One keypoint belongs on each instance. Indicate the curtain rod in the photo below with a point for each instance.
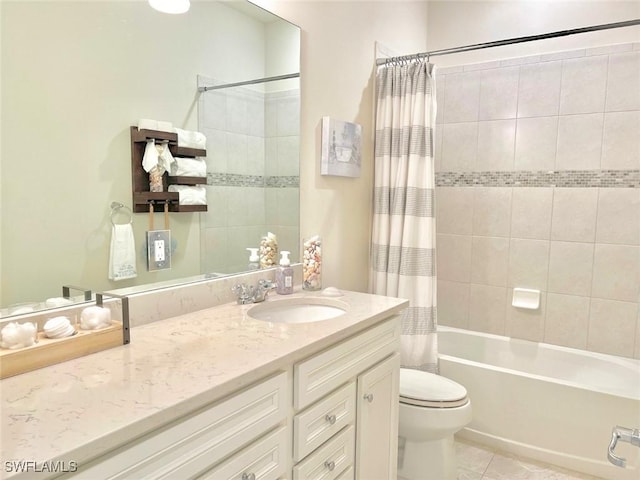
(509, 41)
(250, 82)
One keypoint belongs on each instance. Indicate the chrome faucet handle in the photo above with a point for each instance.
(244, 293)
(624, 435)
(267, 284)
(262, 290)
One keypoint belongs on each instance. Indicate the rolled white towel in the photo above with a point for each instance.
(95, 318)
(190, 195)
(189, 167)
(147, 124)
(58, 327)
(191, 139)
(18, 335)
(165, 126)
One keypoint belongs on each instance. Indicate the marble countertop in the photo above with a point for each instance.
(73, 411)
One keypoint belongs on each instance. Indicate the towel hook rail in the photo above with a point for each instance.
(116, 207)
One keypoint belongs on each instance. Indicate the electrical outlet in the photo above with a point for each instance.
(158, 250)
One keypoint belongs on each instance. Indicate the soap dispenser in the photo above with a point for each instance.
(284, 275)
(254, 259)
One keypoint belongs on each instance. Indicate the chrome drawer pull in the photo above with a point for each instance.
(330, 465)
(248, 476)
(330, 418)
(368, 397)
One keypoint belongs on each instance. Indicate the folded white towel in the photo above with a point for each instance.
(189, 167)
(149, 124)
(165, 126)
(190, 139)
(122, 264)
(196, 195)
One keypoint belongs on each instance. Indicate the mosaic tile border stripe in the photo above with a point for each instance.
(563, 178)
(257, 181)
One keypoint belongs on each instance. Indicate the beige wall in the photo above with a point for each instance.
(337, 73)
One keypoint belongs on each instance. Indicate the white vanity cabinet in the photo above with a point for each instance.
(346, 404)
(331, 416)
(189, 447)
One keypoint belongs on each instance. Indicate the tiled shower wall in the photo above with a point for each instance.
(538, 186)
(253, 174)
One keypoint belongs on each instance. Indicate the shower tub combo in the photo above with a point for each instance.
(553, 404)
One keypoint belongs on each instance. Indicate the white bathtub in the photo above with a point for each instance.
(554, 404)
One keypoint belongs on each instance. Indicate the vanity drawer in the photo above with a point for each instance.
(321, 421)
(330, 460)
(193, 444)
(348, 474)
(326, 371)
(264, 460)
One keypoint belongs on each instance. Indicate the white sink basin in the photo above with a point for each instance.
(298, 310)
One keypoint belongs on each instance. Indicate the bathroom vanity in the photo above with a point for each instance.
(217, 394)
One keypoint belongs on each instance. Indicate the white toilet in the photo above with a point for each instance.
(432, 409)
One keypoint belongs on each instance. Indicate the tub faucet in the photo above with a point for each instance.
(624, 435)
(250, 294)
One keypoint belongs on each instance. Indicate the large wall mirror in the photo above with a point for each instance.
(75, 75)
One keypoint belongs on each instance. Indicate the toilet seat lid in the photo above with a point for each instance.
(430, 390)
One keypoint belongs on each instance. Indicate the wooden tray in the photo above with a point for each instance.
(51, 351)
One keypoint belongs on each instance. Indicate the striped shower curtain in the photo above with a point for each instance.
(403, 237)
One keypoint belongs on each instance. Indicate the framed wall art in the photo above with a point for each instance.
(341, 148)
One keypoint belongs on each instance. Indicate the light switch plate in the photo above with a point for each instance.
(158, 250)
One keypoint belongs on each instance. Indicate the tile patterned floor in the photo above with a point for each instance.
(477, 462)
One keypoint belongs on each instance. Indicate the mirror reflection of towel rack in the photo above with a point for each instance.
(116, 207)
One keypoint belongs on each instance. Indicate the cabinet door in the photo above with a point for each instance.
(377, 421)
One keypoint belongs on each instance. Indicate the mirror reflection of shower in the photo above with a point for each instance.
(253, 144)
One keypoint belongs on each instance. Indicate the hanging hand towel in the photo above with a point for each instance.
(150, 158)
(122, 264)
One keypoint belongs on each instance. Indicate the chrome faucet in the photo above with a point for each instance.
(250, 294)
(624, 435)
